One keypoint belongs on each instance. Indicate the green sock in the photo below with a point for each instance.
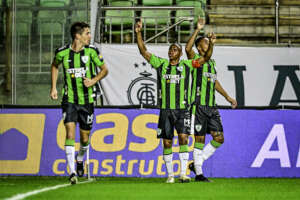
(167, 151)
(183, 148)
(69, 142)
(215, 144)
(199, 145)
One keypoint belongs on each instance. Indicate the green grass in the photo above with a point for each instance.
(154, 188)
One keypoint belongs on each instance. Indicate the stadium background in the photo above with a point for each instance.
(261, 137)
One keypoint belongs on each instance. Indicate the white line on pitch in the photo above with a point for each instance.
(34, 192)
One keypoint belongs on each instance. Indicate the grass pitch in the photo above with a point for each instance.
(153, 188)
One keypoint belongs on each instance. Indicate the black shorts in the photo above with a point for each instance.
(170, 119)
(205, 119)
(83, 114)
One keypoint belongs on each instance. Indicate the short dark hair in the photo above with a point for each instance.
(78, 27)
(177, 45)
(198, 40)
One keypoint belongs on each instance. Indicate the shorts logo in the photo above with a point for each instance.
(85, 59)
(64, 116)
(158, 131)
(90, 119)
(187, 122)
(198, 127)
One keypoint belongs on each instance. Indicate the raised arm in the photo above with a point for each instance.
(220, 89)
(189, 46)
(140, 42)
(200, 61)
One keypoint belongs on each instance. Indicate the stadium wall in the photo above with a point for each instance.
(264, 76)
(258, 143)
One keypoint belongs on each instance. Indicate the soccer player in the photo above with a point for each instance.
(80, 62)
(173, 85)
(205, 116)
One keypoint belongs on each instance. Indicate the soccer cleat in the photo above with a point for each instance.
(170, 179)
(73, 178)
(79, 168)
(201, 178)
(192, 167)
(184, 179)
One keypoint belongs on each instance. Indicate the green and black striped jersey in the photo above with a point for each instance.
(173, 82)
(203, 84)
(77, 65)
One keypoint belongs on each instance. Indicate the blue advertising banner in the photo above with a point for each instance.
(258, 143)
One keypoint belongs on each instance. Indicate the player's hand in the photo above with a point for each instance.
(232, 102)
(53, 94)
(200, 23)
(212, 37)
(88, 82)
(138, 26)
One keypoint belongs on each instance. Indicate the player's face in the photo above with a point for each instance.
(85, 36)
(203, 45)
(174, 52)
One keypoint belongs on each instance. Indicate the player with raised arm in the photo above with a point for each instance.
(173, 85)
(205, 115)
(80, 61)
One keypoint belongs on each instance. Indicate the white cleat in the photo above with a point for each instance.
(184, 179)
(170, 179)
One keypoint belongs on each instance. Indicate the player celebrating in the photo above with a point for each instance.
(173, 81)
(205, 116)
(80, 61)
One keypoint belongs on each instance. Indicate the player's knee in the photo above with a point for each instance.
(167, 144)
(183, 139)
(200, 139)
(219, 139)
(70, 137)
(84, 141)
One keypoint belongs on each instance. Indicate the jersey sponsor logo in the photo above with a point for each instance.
(101, 57)
(198, 91)
(77, 72)
(173, 78)
(210, 76)
(85, 59)
(198, 127)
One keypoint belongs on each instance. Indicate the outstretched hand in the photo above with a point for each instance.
(200, 23)
(212, 37)
(138, 26)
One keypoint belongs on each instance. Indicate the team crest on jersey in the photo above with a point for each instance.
(85, 59)
(180, 68)
(198, 127)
